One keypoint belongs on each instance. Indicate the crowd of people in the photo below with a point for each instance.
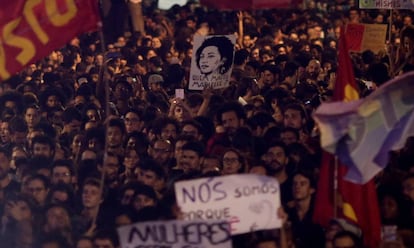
(93, 136)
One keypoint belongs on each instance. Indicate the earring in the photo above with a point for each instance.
(222, 70)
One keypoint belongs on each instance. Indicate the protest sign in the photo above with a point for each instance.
(167, 4)
(212, 61)
(361, 37)
(248, 202)
(176, 234)
(386, 4)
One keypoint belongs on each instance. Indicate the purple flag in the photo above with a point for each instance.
(362, 132)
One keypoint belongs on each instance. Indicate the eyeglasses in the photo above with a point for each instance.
(160, 150)
(230, 160)
(33, 190)
(66, 174)
(131, 119)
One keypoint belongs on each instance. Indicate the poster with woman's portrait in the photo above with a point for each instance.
(212, 61)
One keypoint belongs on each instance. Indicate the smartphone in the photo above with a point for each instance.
(389, 232)
(179, 93)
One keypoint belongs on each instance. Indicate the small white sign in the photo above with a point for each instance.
(386, 4)
(176, 234)
(247, 202)
(167, 4)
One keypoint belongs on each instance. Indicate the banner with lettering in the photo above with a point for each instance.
(361, 37)
(247, 202)
(212, 61)
(176, 234)
(31, 29)
(386, 4)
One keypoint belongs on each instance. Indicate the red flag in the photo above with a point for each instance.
(30, 30)
(359, 203)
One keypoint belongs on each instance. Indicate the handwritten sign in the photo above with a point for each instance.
(212, 61)
(167, 4)
(176, 234)
(386, 4)
(247, 202)
(361, 37)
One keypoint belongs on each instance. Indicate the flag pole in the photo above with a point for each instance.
(105, 83)
(391, 49)
(335, 191)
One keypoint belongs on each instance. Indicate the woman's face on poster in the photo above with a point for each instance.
(210, 60)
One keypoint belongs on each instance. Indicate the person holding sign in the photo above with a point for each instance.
(214, 58)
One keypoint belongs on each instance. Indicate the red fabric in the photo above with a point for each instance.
(248, 4)
(362, 198)
(32, 29)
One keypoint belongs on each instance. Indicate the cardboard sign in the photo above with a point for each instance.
(386, 4)
(248, 202)
(212, 61)
(167, 4)
(176, 234)
(361, 37)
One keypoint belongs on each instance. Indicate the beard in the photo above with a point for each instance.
(275, 167)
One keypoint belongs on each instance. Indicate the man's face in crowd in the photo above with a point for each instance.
(73, 126)
(111, 168)
(190, 130)
(57, 218)
(276, 158)
(161, 151)
(42, 150)
(230, 121)
(288, 137)
(132, 122)
(293, 118)
(5, 132)
(301, 187)
(31, 117)
(142, 201)
(38, 190)
(91, 196)
(114, 136)
(268, 77)
(178, 148)
(19, 138)
(169, 132)
(148, 177)
(189, 161)
(61, 174)
(313, 69)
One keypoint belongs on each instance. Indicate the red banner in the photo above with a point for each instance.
(249, 4)
(31, 29)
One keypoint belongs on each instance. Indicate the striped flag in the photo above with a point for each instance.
(355, 202)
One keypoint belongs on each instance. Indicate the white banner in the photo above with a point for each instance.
(176, 234)
(247, 202)
(212, 61)
(386, 4)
